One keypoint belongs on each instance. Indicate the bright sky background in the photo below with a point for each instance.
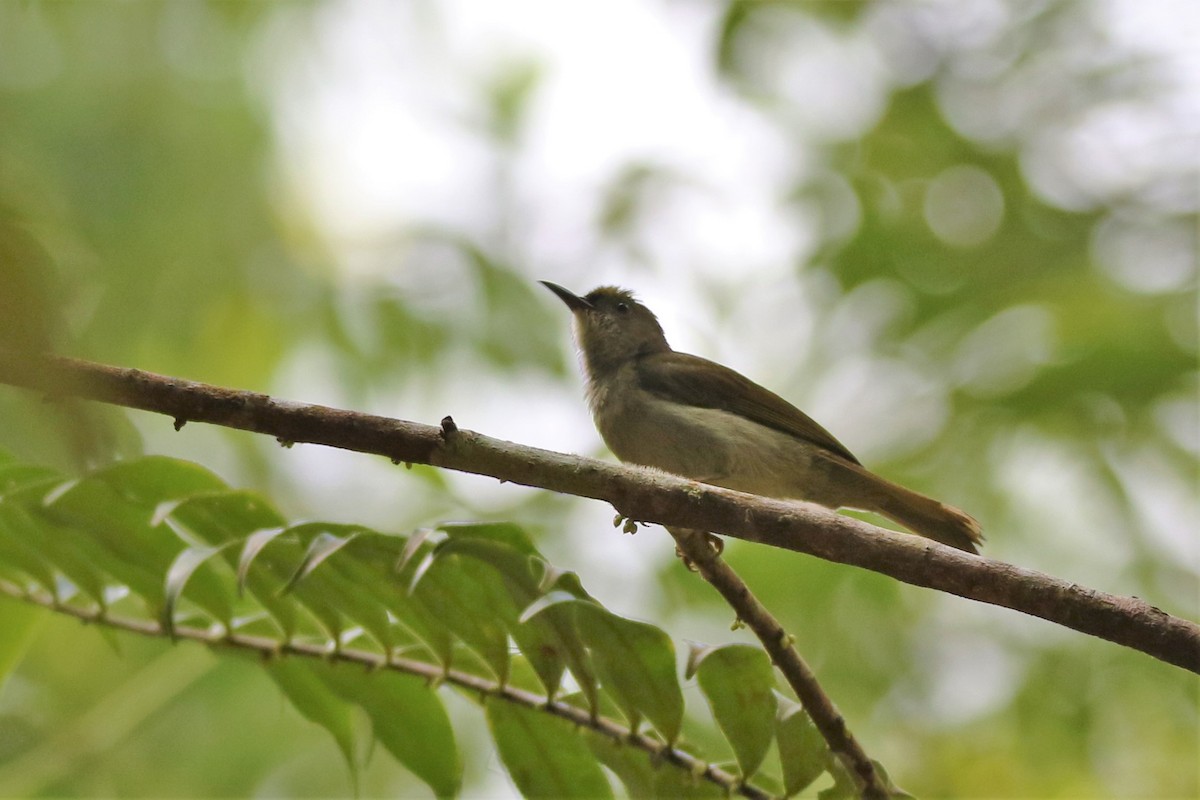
(380, 116)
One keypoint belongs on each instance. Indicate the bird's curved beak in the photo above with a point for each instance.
(573, 301)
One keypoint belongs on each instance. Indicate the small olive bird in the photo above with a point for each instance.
(693, 417)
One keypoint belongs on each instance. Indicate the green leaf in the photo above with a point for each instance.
(19, 623)
(370, 563)
(643, 774)
(116, 535)
(322, 547)
(570, 643)
(564, 635)
(545, 642)
(524, 570)
(550, 640)
(333, 593)
(739, 683)
(408, 719)
(17, 476)
(843, 784)
(235, 517)
(554, 598)
(545, 756)
(635, 662)
(133, 549)
(505, 533)
(412, 547)
(893, 791)
(19, 550)
(55, 545)
(316, 702)
(522, 675)
(223, 516)
(802, 749)
(465, 599)
(152, 480)
(182, 568)
(630, 764)
(541, 644)
(676, 784)
(251, 547)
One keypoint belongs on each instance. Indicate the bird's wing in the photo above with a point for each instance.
(691, 380)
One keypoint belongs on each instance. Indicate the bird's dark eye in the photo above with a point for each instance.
(622, 308)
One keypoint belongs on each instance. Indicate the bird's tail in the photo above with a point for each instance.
(920, 514)
(933, 519)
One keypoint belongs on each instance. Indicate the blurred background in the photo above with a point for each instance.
(959, 233)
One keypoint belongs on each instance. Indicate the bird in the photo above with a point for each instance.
(687, 415)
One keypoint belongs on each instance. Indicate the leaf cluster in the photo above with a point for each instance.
(465, 605)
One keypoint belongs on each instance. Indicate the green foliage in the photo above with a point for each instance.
(221, 560)
(801, 748)
(317, 703)
(544, 756)
(634, 660)
(419, 736)
(738, 681)
(18, 626)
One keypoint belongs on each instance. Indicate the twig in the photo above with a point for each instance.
(435, 674)
(694, 545)
(637, 494)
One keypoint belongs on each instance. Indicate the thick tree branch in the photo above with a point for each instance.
(695, 547)
(636, 493)
(435, 674)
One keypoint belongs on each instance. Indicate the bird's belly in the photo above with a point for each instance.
(713, 446)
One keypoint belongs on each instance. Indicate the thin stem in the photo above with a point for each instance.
(694, 545)
(638, 494)
(270, 648)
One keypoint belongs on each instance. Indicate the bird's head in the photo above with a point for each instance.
(611, 327)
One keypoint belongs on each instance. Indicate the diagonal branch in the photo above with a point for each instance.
(694, 546)
(435, 674)
(636, 493)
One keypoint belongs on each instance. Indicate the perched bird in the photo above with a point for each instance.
(693, 417)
